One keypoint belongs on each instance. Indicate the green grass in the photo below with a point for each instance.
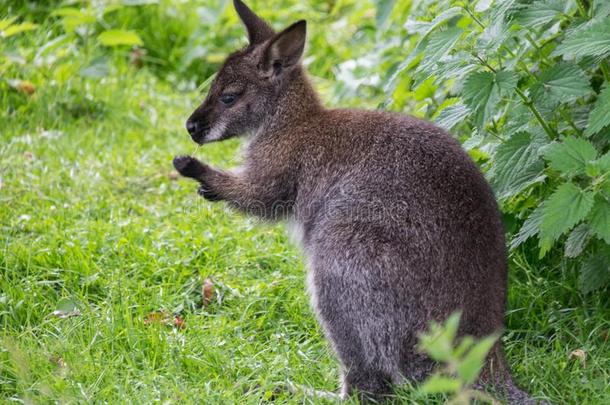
(90, 212)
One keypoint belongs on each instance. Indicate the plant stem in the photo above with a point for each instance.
(570, 122)
(605, 71)
(474, 18)
(582, 8)
(483, 62)
(537, 47)
(530, 104)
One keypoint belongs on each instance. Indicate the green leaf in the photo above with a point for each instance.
(441, 19)
(17, 28)
(562, 83)
(570, 156)
(530, 227)
(451, 116)
(424, 29)
(600, 116)
(482, 5)
(601, 8)
(501, 9)
(6, 22)
(566, 207)
(591, 41)
(482, 91)
(604, 163)
(577, 240)
(439, 44)
(506, 81)
(438, 341)
(599, 219)
(438, 384)
(595, 272)
(119, 37)
(470, 366)
(73, 17)
(98, 68)
(540, 13)
(480, 95)
(598, 167)
(516, 164)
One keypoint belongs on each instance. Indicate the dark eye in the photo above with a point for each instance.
(228, 99)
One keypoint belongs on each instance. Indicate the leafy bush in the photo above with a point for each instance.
(526, 87)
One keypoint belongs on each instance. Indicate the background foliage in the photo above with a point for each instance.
(93, 95)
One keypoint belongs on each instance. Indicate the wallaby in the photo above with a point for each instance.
(397, 224)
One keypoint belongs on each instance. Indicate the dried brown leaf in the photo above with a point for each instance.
(207, 291)
(579, 354)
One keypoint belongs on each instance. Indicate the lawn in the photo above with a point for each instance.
(102, 245)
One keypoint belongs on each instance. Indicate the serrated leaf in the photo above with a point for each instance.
(439, 44)
(438, 384)
(470, 366)
(424, 29)
(566, 207)
(502, 9)
(516, 164)
(440, 19)
(599, 219)
(600, 116)
(539, 13)
(480, 94)
(482, 91)
(530, 227)
(493, 36)
(562, 83)
(603, 163)
(595, 272)
(451, 116)
(591, 41)
(570, 156)
(506, 81)
(577, 240)
(119, 37)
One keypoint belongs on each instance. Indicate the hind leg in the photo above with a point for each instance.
(362, 332)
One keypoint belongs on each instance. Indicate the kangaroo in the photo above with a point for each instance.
(397, 224)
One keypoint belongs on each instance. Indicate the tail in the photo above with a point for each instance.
(496, 379)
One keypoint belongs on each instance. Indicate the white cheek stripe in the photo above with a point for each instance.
(217, 131)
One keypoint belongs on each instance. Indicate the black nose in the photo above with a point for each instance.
(192, 127)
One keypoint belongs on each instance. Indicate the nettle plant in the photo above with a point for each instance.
(526, 87)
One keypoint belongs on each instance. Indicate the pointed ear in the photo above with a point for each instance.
(286, 48)
(258, 30)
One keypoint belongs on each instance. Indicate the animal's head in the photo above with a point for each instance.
(247, 87)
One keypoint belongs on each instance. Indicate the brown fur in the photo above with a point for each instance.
(398, 225)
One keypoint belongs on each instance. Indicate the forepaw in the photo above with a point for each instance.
(189, 166)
